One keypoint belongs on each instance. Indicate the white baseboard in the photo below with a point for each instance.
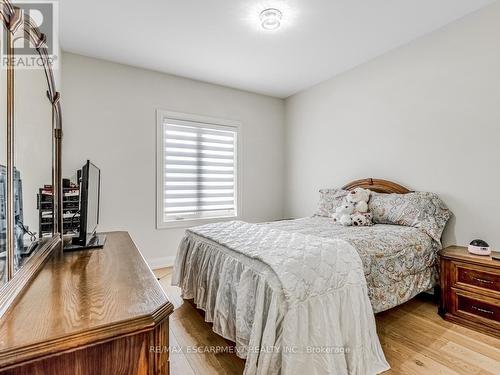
(157, 263)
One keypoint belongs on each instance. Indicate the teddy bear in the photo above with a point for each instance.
(343, 213)
(354, 209)
(362, 219)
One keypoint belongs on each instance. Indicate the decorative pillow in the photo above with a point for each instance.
(420, 210)
(329, 200)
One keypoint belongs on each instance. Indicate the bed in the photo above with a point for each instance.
(299, 295)
(398, 262)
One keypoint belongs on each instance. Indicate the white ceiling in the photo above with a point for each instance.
(221, 41)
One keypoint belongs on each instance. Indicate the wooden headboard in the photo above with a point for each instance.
(380, 186)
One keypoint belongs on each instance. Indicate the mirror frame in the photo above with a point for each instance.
(12, 19)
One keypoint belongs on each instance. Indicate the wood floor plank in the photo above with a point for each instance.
(478, 359)
(178, 361)
(405, 360)
(424, 365)
(399, 354)
(415, 340)
(162, 272)
(429, 347)
(173, 292)
(214, 357)
(433, 331)
(428, 311)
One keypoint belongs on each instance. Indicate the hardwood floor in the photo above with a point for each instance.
(415, 339)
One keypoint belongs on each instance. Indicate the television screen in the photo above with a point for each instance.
(93, 198)
(89, 210)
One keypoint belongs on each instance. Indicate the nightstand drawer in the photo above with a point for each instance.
(470, 290)
(474, 277)
(478, 308)
(482, 308)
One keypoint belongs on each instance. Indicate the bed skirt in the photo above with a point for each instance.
(244, 300)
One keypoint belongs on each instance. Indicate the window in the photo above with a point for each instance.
(197, 169)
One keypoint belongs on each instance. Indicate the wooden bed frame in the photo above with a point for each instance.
(378, 185)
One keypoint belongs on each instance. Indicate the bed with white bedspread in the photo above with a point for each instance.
(299, 296)
(277, 310)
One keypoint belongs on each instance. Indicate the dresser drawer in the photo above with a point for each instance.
(476, 307)
(476, 278)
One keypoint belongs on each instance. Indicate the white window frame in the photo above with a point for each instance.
(161, 116)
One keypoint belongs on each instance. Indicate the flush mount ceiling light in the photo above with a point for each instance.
(270, 18)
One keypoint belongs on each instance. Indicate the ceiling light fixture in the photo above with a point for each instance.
(270, 18)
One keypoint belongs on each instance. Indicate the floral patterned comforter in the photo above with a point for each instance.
(399, 261)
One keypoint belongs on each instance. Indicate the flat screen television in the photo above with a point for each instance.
(90, 186)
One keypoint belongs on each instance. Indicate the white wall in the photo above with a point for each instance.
(426, 115)
(109, 117)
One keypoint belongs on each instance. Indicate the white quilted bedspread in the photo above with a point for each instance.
(327, 325)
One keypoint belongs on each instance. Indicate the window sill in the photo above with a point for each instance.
(193, 222)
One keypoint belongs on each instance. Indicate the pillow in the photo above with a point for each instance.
(329, 200)
(419, 209)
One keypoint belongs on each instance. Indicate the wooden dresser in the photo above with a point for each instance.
(470, 290)
(98, 311)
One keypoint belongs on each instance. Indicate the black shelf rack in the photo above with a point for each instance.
(71, 210)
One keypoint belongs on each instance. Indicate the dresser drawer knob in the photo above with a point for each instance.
(482, 310)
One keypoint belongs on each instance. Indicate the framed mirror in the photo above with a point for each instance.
(31, 216)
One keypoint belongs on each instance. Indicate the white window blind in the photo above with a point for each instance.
(199, 167)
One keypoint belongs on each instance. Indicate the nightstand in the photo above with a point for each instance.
(470, 290)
